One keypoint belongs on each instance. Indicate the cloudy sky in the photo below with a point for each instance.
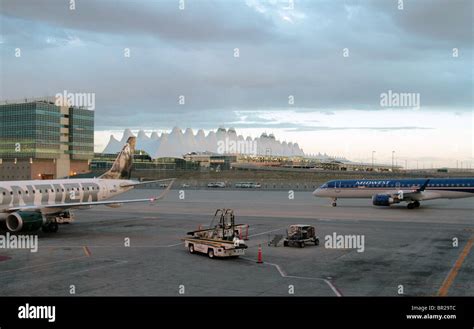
(312, 72)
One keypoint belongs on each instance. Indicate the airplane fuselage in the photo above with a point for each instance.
(433, 188)
(58, 191)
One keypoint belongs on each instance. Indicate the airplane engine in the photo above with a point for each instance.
(25, 221)
(383, 200)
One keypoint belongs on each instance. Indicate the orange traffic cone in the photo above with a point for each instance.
(259, 257)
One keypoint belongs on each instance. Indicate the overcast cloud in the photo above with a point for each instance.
(283, 52)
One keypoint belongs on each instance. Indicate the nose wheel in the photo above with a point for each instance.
(334, 202)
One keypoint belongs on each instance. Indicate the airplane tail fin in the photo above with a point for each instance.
(122, 167)
(423, 187)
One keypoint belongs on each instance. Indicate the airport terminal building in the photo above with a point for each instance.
(40, 140)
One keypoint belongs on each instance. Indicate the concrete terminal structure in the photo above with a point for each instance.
(223, 141)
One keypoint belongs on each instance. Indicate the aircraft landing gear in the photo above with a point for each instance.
(334, 202)
(413, 205)
(51, 227)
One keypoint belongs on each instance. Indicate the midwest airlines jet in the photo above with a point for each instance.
(34, 204)
(387, 192)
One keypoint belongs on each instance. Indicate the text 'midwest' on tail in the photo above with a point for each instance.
(122, 167)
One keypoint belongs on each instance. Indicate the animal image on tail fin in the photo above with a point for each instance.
(122, 167)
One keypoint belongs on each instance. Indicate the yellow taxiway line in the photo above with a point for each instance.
(443, 291)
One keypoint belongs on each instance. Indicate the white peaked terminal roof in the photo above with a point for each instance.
(177, 143)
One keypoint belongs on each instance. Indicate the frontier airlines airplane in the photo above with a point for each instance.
(391, 191)
(34, 204)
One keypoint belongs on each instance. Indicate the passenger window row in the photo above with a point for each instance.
(57, 190)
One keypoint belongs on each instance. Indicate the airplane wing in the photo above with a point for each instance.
(64, 206)
(415, 193)
(149, 182)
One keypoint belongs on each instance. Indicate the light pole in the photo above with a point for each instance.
(393, 157)
(373, 168)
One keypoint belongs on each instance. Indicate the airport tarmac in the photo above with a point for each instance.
(409, 250)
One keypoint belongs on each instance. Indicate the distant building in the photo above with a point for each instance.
(146, 167)
(209, 160)
(143, 164)
(295, 163)
(39, 140)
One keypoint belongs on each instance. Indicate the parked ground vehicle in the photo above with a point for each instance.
(216, 185)
(223, 238)
(248, 185)
(300, 235)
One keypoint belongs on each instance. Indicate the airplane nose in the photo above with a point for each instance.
(316, 192)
